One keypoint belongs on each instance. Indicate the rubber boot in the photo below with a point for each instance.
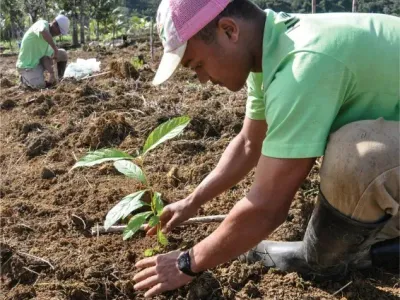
(61, 66)
(331, 243)
(386, 254)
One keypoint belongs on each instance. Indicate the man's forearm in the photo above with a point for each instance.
(245, 226)
(49, 39)
(237, 161)
(254, 217)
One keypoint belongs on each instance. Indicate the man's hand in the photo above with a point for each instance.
(174, 214)
(52, 79)
(55, 54)
(160, 274)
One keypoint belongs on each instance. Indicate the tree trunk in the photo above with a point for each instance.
(88, 37)
(354, 6)
(313, 6)
(82, 21)
(97, 30)
(151, 39)
(75, 41)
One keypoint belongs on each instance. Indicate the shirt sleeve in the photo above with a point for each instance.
(255, 107)
(302, 102)
(40, 26)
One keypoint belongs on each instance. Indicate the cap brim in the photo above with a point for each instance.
(168, 65)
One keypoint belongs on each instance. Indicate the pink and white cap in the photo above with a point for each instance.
(177, 22)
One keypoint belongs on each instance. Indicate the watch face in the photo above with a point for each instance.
(181, 262)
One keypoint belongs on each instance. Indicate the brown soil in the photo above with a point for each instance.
(47, 211)
(123, 69)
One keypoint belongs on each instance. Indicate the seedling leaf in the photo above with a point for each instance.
(100, 156)
(149, 252)
(134, 224)
(162, 238)
(128, 204)
(154, 220)
(157, 202)
(131, 170)
(152, 251)
(164, 132)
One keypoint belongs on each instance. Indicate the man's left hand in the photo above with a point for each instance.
(160, 273)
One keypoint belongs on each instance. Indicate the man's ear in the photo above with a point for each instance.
(230, 27)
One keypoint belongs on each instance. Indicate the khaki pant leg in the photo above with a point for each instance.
(360, 173)
(62, 55)
(33, 78)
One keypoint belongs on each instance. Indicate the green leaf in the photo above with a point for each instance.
(128, 204)
(162, 238)
(149, 252)
(130, 170)
(157, 203)
(154, 220)
(100, 156)
(164, 132)
(152, 251)
(134, 224)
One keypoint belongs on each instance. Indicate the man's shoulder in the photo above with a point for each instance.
(39, 26)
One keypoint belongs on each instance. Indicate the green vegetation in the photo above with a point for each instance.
(132, 167)
(108, 19)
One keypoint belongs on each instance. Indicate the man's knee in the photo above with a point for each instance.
(62, 55)
(33, 78)
(357, 155)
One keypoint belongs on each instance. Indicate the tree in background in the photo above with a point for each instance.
(136, 13)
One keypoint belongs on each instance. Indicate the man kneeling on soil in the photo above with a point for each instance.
(38, 51)
(318, 85)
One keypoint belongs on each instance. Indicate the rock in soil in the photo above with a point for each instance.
(47, 173)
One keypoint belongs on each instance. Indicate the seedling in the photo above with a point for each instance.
(132, 167)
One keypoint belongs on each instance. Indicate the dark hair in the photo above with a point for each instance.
(244, 9)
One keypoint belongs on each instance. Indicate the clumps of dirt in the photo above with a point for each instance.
(38, 144)
(6, 83)
(235, 281)
(14, 267)
(86, 90)
(8, 104)
(123, 69)
(108, 130)
(29, 127)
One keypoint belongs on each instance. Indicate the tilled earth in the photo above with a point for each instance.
(47, 211)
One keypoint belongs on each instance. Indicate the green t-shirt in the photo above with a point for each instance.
(33, 46)
(321, 72)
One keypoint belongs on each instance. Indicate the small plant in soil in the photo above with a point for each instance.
(132, 167)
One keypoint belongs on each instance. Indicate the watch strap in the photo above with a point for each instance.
(184, 264)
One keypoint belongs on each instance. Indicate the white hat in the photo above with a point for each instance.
(177, 22)
(63, 24)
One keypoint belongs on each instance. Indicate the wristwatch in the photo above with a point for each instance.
(184, 264)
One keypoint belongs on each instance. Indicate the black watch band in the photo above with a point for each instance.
(184, 264)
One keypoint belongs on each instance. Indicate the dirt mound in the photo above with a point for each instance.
(39, 143)
(108, 130)
(6, 83)
(123, 69)
(8, 104)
